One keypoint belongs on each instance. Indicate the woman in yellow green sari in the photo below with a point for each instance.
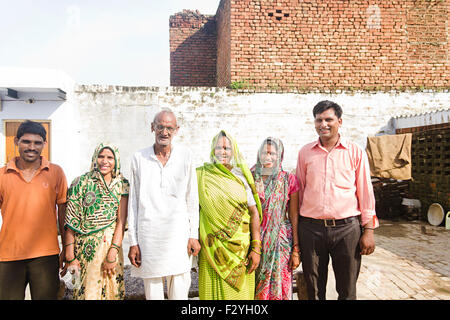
(95, 223)
(230, 214)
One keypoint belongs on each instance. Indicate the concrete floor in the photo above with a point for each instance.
(411, 262)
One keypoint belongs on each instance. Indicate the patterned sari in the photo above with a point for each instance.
(224, 229)
(92, 213)
(274, 276)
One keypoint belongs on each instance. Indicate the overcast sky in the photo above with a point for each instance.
(114, 42)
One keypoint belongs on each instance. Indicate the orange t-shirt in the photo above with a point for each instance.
(29, 226)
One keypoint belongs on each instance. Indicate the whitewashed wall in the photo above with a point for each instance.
(122, 115)
(62, 114)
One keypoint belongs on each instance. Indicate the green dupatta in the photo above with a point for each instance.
(224, 215)
(91, 204)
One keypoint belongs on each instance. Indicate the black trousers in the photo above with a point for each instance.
(317, 244)
(41, 273)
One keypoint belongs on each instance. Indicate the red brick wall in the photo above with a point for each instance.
(335, 44)
(193, 53)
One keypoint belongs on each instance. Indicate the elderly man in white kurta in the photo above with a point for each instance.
(163, 213)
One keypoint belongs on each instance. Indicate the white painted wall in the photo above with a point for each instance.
(122, 115)
(62, 114)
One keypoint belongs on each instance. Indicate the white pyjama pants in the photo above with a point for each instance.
(177, 287)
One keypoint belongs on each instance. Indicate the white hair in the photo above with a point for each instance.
(163, 111)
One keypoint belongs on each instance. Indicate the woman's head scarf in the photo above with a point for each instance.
(92, 204)
(94, 165)
(273, 172)
(236, 161)
(236, 157)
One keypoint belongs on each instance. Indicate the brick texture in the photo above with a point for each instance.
(223, 44)
(193, 52)
(332, 44)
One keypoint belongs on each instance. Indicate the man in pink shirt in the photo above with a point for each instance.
(337, 206)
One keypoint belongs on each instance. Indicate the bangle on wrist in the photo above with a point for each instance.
(115, 259)
(66, 245)
(255, 244)
(258, 252)
(106, 259)
(115, 245)
(69, 261)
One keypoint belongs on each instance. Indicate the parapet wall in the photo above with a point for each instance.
(122, 115)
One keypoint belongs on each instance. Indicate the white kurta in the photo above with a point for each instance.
(163, 211)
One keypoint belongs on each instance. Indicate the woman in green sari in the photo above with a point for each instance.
(230, 214)
(95, 223)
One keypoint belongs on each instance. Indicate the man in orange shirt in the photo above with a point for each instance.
(337, 206)
(30, 190)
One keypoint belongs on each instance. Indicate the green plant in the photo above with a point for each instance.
(237, 85)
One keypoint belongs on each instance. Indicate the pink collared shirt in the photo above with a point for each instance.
(335, 184)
